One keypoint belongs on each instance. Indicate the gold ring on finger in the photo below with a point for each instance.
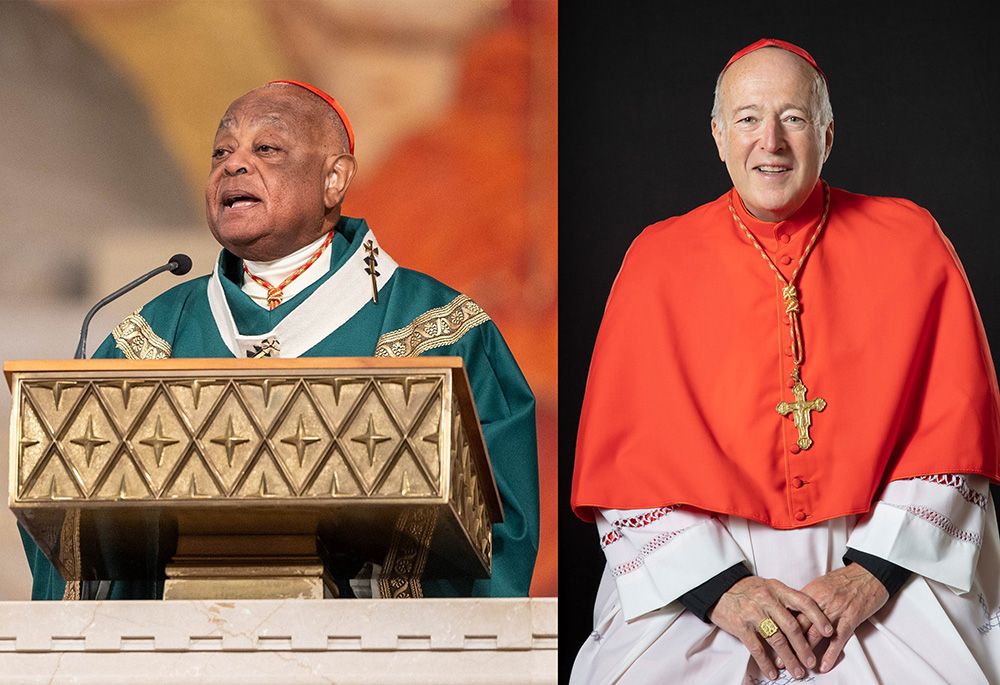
(767, 628)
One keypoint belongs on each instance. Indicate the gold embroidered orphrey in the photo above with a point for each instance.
(407, 556)
(434, 328)
(69, 552)
(800, 408)
(136, 339)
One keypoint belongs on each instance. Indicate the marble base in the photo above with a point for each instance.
(346, 641)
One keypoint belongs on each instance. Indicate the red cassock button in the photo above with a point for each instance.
(785, 320)
(794, 449)
(790, 382)
(796, 482)
(785, 238)
(800, 516)
(788, 351)
(786, 260)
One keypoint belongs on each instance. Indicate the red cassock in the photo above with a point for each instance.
(693, 357)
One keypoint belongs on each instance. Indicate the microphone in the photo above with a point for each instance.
(179, 264)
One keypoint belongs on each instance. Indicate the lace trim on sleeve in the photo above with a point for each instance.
(960, 483)
(647, 549)
(941, 521)
(651, 522)
(640, 521)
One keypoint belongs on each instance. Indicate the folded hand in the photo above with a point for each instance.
(750, 601)
(848, 597)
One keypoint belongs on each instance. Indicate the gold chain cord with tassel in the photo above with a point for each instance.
(789, 292)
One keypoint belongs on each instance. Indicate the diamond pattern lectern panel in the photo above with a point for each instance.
(250, 437)
(389, 452)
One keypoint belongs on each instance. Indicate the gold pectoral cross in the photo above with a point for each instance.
(800, 408)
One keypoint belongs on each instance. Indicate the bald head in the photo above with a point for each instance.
(791, 61)
(281, 168)
(317, 116)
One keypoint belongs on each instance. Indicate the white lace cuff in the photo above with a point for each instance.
(656, 555)
(932, 525)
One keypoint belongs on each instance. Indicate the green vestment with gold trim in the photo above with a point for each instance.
(182, 323)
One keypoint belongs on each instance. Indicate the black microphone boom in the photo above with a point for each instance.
(179, 264)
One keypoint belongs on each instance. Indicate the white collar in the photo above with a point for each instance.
(276, 271)
(335, 301)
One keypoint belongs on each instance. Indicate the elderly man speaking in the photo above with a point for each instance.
(790, 426)
(298, 279)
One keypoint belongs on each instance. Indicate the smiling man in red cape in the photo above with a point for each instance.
(790, 424)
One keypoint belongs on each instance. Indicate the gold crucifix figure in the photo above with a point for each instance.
(800, 408)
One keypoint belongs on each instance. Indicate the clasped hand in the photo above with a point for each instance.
(833, 605)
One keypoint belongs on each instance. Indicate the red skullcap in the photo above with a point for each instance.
(330, 101)
(784, 45)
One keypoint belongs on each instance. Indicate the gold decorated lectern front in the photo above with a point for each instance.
(252, 478)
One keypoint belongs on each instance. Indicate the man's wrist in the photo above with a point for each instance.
(701, 599)
(892, 576)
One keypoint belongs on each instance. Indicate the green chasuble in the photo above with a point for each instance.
(335, 317)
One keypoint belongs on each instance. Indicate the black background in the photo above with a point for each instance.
(915, 97)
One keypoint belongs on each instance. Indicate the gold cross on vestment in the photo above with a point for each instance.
(370, 269)
(269, 347)
(799, 409)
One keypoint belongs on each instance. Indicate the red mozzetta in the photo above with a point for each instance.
(693, 357)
